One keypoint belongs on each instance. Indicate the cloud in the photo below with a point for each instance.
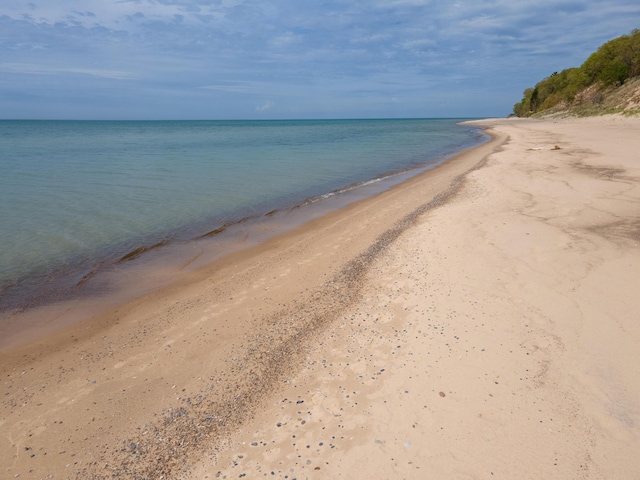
(268, 105)
(231, 88)
(32, 69)
(319, 56)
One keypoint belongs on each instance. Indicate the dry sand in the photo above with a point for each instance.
(478, 321)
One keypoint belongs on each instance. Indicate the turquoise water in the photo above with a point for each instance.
(76, 193)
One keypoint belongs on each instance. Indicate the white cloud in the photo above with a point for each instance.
(268, 105)
(418, 44)
(286, 39)
(302, 55)
(33, 69)
(231, 88)
(95, 72)
(413, 3)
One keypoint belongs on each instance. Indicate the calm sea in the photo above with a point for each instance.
(75, 194)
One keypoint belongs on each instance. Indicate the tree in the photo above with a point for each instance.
(611, 64)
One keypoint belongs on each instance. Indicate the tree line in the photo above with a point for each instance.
(611, 65)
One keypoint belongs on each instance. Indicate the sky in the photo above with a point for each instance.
(277, 59)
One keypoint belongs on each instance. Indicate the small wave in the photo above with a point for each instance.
(87, 276)
(340, 191)
(214, 232)
(139, 251)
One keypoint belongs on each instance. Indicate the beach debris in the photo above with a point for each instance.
(556, 148)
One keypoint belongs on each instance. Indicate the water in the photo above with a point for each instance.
(74, 195)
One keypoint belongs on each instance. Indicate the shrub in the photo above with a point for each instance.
(612, 64)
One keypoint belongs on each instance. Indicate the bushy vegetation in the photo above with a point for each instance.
(611, 65)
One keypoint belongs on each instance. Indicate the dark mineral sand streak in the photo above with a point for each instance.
(204, 420)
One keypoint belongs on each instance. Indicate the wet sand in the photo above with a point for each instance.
(477, 321)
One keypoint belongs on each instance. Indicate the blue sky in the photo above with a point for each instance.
(244, 59)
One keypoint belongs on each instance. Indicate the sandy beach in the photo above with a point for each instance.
(478, 321)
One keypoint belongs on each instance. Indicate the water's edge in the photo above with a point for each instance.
(112, 280)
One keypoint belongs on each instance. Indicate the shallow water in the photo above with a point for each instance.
(75, 196)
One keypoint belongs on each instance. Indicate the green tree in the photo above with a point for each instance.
(611, 64)
(614, 73)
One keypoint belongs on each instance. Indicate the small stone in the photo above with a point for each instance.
(442, 394)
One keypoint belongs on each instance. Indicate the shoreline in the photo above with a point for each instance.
(63, 275)
(250, 303)
(495, 339)
(470, 322)
(77, 294)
